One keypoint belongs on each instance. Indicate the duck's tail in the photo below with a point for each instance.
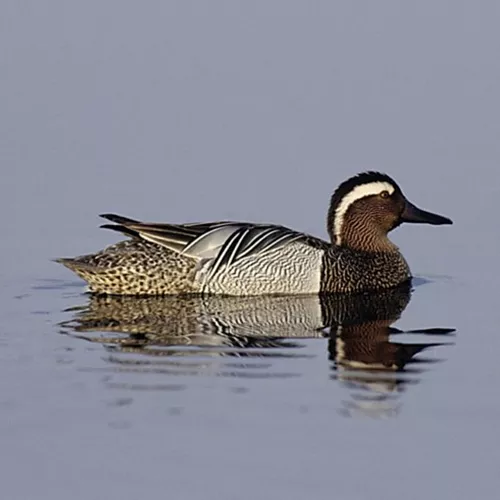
(95, 276)
(75, 264)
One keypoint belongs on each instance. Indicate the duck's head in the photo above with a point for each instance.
(366, 207)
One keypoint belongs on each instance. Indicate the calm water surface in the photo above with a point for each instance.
(186, 111)
(232, 397)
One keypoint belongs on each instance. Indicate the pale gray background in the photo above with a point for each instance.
(254, 110)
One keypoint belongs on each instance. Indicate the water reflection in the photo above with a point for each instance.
(373, 366)
(244, 337)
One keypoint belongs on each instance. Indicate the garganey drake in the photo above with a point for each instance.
(242, 258)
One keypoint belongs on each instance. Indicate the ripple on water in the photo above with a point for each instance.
(260, 338)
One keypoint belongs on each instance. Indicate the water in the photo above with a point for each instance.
(190, 111)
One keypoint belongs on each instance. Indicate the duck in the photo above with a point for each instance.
(245, 258)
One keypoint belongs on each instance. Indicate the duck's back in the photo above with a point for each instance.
(274, 260)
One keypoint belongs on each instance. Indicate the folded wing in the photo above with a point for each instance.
(224, 242)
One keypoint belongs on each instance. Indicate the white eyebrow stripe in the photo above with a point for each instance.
(361, 191)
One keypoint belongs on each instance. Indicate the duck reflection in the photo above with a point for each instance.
(367, 360)
(168, 329)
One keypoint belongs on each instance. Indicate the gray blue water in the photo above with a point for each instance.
(185, 111)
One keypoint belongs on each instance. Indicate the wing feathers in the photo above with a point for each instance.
(118, 219)
(225, 242)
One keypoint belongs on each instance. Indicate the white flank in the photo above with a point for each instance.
(361, 191)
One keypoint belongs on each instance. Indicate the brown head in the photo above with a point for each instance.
(366, 207)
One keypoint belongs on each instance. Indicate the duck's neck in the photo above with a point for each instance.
(359, 236)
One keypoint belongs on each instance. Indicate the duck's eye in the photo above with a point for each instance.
(384, 194)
